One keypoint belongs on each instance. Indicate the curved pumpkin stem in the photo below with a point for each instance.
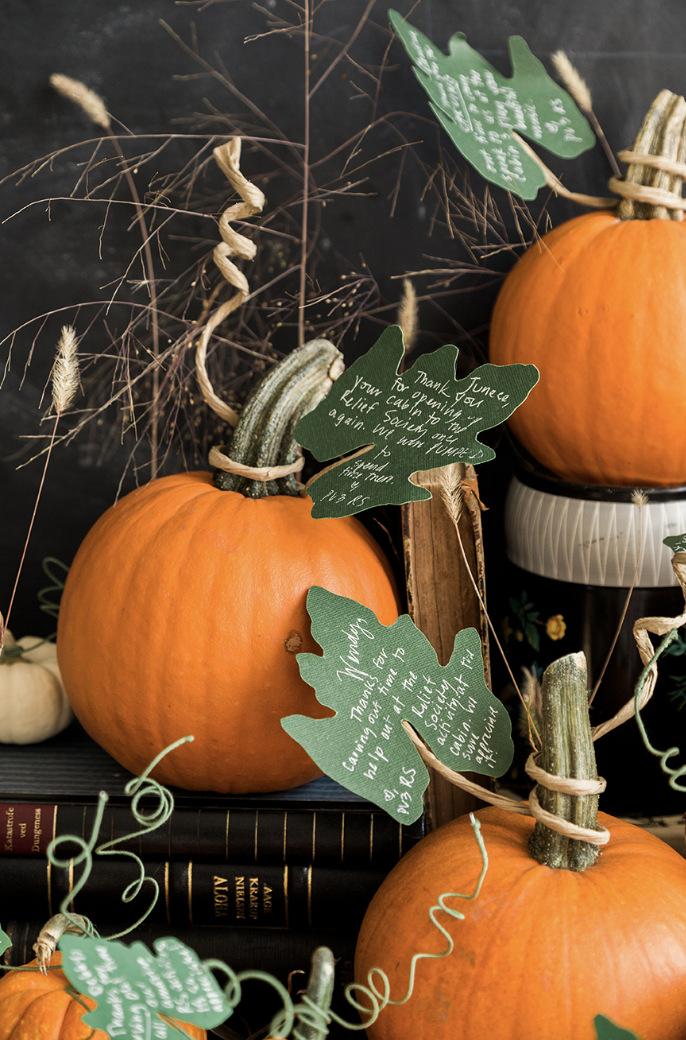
(567, 752)
(263, 437)
(662, 134)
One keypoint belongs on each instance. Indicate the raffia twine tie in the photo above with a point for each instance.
(643, 628)
(626, 189)
(218, 460)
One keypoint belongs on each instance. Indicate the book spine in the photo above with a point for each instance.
(286, 954)
(194, 893)
(278, 951)
(266, 836)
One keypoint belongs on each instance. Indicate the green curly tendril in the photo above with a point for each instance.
(11, 653)
(314, 1016)
(673, 774)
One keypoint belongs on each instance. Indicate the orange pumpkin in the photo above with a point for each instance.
(598, 306)
(541, 951)
(185, 607)
(34, 1006)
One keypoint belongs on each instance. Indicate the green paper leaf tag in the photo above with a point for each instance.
(675, 542)
(479, 108)
(607, 1030)
(134, 987)
(420, 419)
(375, 676)
(5, 941)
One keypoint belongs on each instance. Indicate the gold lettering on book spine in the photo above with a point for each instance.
(254, 898)
(9, 830)
(240, 898)
(221, 896)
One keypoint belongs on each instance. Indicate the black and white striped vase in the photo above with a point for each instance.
(572, 551)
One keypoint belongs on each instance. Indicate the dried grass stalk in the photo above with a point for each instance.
(407, 315)
(576, 86)
(65, 376)
(87, 100)
(450, 485)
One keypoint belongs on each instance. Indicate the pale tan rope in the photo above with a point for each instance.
(563, 784)
(658, 626)
(530, 808)
(641, 193)
(659, 162)
(627, 189)
(595, 201)
(218, 460)
(228, 157)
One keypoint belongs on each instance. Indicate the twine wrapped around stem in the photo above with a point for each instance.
(643, 628)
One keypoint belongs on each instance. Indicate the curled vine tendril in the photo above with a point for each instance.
(139, 787)
(47, 605)
(673, 774)
(311, 1016)
(381, 999)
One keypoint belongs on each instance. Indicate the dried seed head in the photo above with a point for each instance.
(91, 103)
(639, 498)
(65, 375)
(407, 315)
(572, 80)
(451, 491)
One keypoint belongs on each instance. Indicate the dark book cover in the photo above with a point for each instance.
(50, 790)
(196, 893)
(246, 835)
(286, 954)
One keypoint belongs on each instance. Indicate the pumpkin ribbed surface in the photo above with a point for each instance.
(182, 614)
(34, 1006)
(598, 305)
(541, 952)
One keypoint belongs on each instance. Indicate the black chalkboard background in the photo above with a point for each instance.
(53, 258)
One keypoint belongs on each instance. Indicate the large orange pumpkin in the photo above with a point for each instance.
(34, 1006)
(185, 608)
(541, 951)
(598, 305)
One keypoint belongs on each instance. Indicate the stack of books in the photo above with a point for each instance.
(258, 881)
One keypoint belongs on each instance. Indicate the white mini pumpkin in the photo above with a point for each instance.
(33, 704)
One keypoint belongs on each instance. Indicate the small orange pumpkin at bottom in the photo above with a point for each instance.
(34, 1006)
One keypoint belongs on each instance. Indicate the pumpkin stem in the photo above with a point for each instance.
(263, 437)
(51, 933)
(568, 752)
(662, 133)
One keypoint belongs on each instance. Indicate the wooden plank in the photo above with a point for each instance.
(442, 599)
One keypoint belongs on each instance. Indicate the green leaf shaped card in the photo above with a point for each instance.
(138, 991)
(479, 107)
(375, 676)
(420, 419)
